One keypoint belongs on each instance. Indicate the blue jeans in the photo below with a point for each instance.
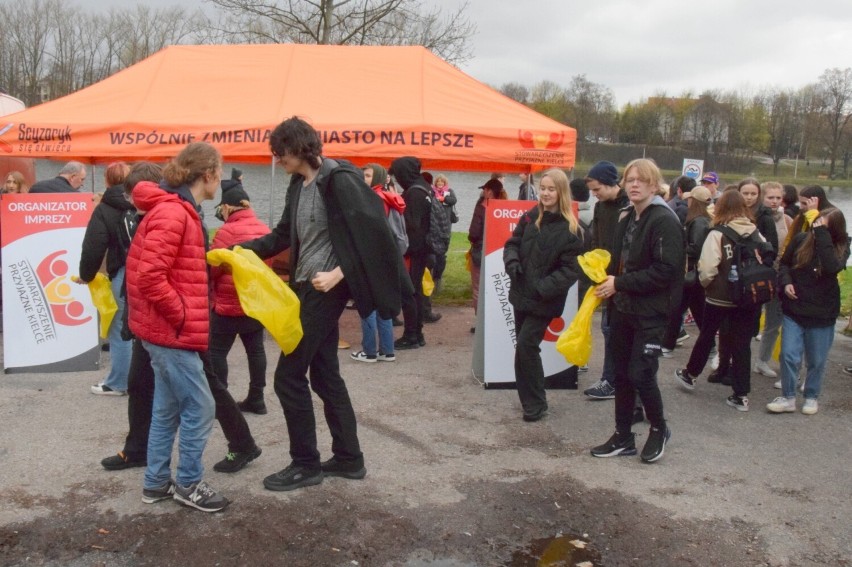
(369, 325)
(814, 343)
(119, 350)
(182, 400)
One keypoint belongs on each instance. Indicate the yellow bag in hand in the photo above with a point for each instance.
(263, 295)
(575, 344)
(428, 283)
(104, 301)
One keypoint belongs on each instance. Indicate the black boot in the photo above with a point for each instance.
(254, 402)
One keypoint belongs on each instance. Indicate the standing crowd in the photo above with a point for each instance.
(351, 237)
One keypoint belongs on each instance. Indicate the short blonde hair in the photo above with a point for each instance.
(647, 170)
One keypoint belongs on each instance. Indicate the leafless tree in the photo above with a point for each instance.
(349, 22)
(516, 91)
(835, 90)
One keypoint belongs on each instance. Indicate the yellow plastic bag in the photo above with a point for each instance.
(575, 344)
(263, 296)
(104, 301)
(428, 283)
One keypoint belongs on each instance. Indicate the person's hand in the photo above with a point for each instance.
(78, 280)
(813, 203)
(819, 222)
(325, 281)
(606, 288)
(790, 291)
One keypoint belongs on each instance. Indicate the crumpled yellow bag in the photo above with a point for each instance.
(575, 343)
(428, 283)
(104, 301)
(263, 295)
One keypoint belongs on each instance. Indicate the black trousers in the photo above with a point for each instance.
(223, 332)
(636, 349)
(412, 306)
(313, 365)
(734, 344)
(140, 402)
(529, 372)
(692, 299)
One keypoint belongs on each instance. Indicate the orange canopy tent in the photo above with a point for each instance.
(369, 104)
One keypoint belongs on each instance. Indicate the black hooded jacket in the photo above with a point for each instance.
(107, 233)
(416, 194)
(360, 237)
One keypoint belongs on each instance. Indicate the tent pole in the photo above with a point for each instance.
(271, 190)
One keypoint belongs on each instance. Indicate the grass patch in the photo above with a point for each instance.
(456, 287)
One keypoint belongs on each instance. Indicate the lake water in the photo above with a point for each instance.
(267, 192)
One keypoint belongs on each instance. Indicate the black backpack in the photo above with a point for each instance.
(752, 281)
(438, 235)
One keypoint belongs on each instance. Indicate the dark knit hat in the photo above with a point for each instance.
(234, 195)
(579, 190)
(236, 173)
(604, 172)
(494, 185)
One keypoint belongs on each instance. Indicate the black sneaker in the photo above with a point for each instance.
(738, 402)
(655, 446)
(537, 415)
(638, 415)
(235, 461)
(121, 461)
(685, 380)
(201, 497)
(293, 477)
(717, 377)
(256, 405)
(432, 317)
(682, 337)
(421, 340)
(600, 390)
(352, 471)
(154, 495)
(406, 343)
(617, 446)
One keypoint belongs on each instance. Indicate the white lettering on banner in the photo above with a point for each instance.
(508, 213)
(501, 286)
(47, 206)
(47, 219)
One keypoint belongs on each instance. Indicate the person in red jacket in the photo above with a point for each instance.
(228, 318)
(167, 291)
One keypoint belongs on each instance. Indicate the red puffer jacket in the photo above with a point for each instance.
(167, 272)
(241, 226)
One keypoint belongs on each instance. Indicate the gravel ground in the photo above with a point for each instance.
(455, 477)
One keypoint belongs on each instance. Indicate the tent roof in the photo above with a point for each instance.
(369, 103)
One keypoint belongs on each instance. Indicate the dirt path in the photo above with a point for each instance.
(455, 477)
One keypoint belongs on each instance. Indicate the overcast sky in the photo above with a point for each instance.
(641, 47)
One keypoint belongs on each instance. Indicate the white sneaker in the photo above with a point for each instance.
(667, 352)
(810, 407)
(714, 363)
(782, 405)
(762, 368)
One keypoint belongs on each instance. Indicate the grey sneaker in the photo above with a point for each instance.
(684, 380)
(200, 496)
(600, 390)
(154, 495)
(386, 357)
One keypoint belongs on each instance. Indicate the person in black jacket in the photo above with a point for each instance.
(416, 194)
(340, 247)
(108, 234)
(811, 304)
(602, 181)
(70, 179)
(541, 261)
(644, 275)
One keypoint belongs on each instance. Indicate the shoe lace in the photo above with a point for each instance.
(204, 490)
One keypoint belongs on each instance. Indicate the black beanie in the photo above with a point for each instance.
(236, 173)
(234, 196)
(605, 173)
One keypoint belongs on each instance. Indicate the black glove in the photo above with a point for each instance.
(514, 270)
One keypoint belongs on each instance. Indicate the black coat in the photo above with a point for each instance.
(56, 185)
(650, 282)
(696, 233)
(547, 260)
(604, 219)
(359, 234)
(766, 225)
(107, 233)
(416, 194)
(818, 292)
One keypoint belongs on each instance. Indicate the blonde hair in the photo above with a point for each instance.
(442, 177)
(192, 162)
(647, 171)
(563, 199)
